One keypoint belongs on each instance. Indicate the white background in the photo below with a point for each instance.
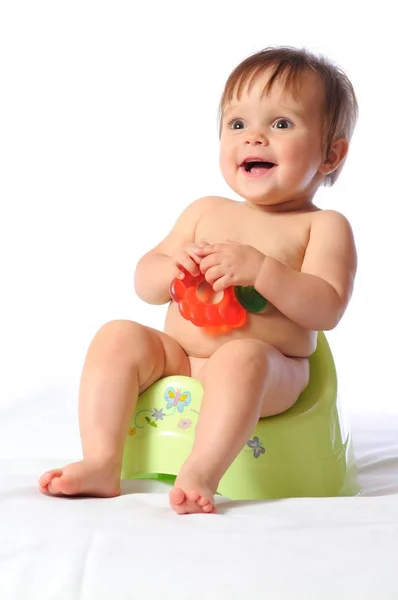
(108, 129)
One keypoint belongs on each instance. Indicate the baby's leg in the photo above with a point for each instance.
(243, 381)
(123, 360)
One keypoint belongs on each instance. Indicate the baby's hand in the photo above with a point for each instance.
(230, 263)
(187, 259)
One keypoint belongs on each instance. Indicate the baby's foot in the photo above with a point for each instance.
(84, 478)
(191, 494)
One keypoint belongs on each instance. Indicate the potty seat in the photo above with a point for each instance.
(305, 451)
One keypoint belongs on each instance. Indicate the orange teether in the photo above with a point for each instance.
(226, 314)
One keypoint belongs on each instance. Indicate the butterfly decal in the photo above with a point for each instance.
(256, 446)
(177, 398)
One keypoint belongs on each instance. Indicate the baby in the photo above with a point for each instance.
(286, 119)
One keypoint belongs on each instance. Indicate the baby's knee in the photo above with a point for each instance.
(249, 355)
(121, 338)
(119, 330)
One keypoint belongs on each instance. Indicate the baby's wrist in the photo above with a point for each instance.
(261, 278)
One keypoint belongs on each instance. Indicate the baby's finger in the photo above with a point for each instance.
(208, 261)
(213, 273)
(195, 256)
(188, 264)
(204, 250)
(190, 250)
(221, 284)
(178, 273)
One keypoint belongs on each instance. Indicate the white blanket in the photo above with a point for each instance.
(135, 547)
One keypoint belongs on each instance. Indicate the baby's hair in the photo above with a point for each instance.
(289, 64)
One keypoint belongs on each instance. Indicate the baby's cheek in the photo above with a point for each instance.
(226, 164)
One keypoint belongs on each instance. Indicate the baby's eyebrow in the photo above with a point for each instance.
(229, 109)
(295, 110)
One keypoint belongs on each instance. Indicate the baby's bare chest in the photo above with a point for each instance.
(284, 237)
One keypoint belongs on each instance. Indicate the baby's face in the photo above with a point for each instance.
(284, 132)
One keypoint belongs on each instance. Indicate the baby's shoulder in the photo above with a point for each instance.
(207, 203)
(198, 209)
(193, 213)
(331, 219)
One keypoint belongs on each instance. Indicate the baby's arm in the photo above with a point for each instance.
(315, 297)
(156, 269)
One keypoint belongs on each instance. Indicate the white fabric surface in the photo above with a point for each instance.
(135, 547)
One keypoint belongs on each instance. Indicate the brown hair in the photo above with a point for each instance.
(289, 64)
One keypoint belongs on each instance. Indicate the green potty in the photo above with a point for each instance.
(305, 451)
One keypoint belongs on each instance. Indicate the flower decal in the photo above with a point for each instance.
(184, 423)
(256, 446)
(132, 431)
(158, 414)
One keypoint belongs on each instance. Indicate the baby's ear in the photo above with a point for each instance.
(337, 154)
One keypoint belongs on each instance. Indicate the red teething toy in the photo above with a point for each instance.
(226, 314)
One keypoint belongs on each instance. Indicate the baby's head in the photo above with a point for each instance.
(285, 103)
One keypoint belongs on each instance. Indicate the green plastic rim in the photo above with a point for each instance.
(250, 299)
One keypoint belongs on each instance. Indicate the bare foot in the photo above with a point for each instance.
(84, 478)
(191, 494)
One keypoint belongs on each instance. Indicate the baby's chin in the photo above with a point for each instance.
(262, 206)
(262, 202)
(258, 198)
(274, 202)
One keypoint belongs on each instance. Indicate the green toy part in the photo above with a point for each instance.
(250, 298)
(305, 451)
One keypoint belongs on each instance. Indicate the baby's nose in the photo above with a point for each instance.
(256, 139)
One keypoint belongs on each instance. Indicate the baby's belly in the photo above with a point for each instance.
(271, 327)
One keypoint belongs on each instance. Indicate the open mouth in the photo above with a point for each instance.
(257, 166)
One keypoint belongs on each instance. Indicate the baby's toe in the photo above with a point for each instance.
(68, 484)
(177, 496)
(203, 500)
(193, 496)
(206, 505)
(178, 501)
(48, 476)
(45, 481)
(209, 508)
(54, 486)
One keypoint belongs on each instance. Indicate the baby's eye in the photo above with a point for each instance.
(282, 124)
(236, 124)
